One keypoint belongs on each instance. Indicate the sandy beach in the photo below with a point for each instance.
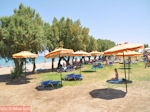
(47, 65)
(95, 96)
(83, 98)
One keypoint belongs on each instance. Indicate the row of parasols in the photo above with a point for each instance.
(125, 49)
(69, 52)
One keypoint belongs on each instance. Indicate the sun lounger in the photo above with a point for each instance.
(115, 82)
(100, 65)
(40, 69)
(50, 83)
(119, 81)
(67, 69)
(97, 66)
(72, 77)
(110, 63)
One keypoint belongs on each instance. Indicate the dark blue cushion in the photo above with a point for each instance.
(46, 82)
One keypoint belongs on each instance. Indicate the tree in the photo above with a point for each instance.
(20, 32)
(146, 45)
(92, 46)
(52, 37)
(104, 44)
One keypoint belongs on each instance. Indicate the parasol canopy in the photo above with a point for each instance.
(80, 53)
(130, 53)
(123, 47)
(59, 52)
(25, 54)
(96, 53)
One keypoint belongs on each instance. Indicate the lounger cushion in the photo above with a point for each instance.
(115, 82)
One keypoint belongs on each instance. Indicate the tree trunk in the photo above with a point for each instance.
(94, 57)
(16, 61)
(68, 61)
(59, 62)
(18, 67)
(84, 59)
(89, 58)
(72, 59)
(53, 59)
(99, 57)
(34, 66)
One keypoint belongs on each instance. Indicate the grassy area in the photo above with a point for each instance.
(138, 73)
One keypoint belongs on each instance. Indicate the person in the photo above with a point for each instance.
(64, 66)
(107, 61)
(148, 60)
(116, 75)
(94, 64)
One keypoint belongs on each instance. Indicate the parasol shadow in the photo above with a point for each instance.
(107, 93)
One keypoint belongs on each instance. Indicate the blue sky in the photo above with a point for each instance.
(117, 20)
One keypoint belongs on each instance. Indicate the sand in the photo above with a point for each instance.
(47, 65)
(93, 97)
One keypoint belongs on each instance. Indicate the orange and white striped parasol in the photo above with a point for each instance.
(25, 54)
(123, 47)
(130, 53)
(81, 53)
(59, 52)
(96, 53)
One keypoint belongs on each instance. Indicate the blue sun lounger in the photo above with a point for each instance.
(50, 83)
(73, 77)
(115, 82)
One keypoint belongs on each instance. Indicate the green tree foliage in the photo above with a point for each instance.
(146, 45)
(22, 31)
(104, 44)
(71, 34)
(25, 30)
(93, 45)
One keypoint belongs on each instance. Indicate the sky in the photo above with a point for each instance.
(116, 20)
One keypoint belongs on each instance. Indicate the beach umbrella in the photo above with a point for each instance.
(96, 53)
(81, 53)
(122, 48)
(129, 53)
(25, 54)
(59, 52)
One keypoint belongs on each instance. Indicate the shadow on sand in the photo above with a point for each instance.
(18, 81)
(89, 71)
(9, 81)
(107, 93)
(46, 71)
(40, 88)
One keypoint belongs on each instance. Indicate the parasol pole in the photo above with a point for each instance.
(25, 69)
(60, 72)
(25, 66)
(129, 68)
(125, 71)
(80, 65)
